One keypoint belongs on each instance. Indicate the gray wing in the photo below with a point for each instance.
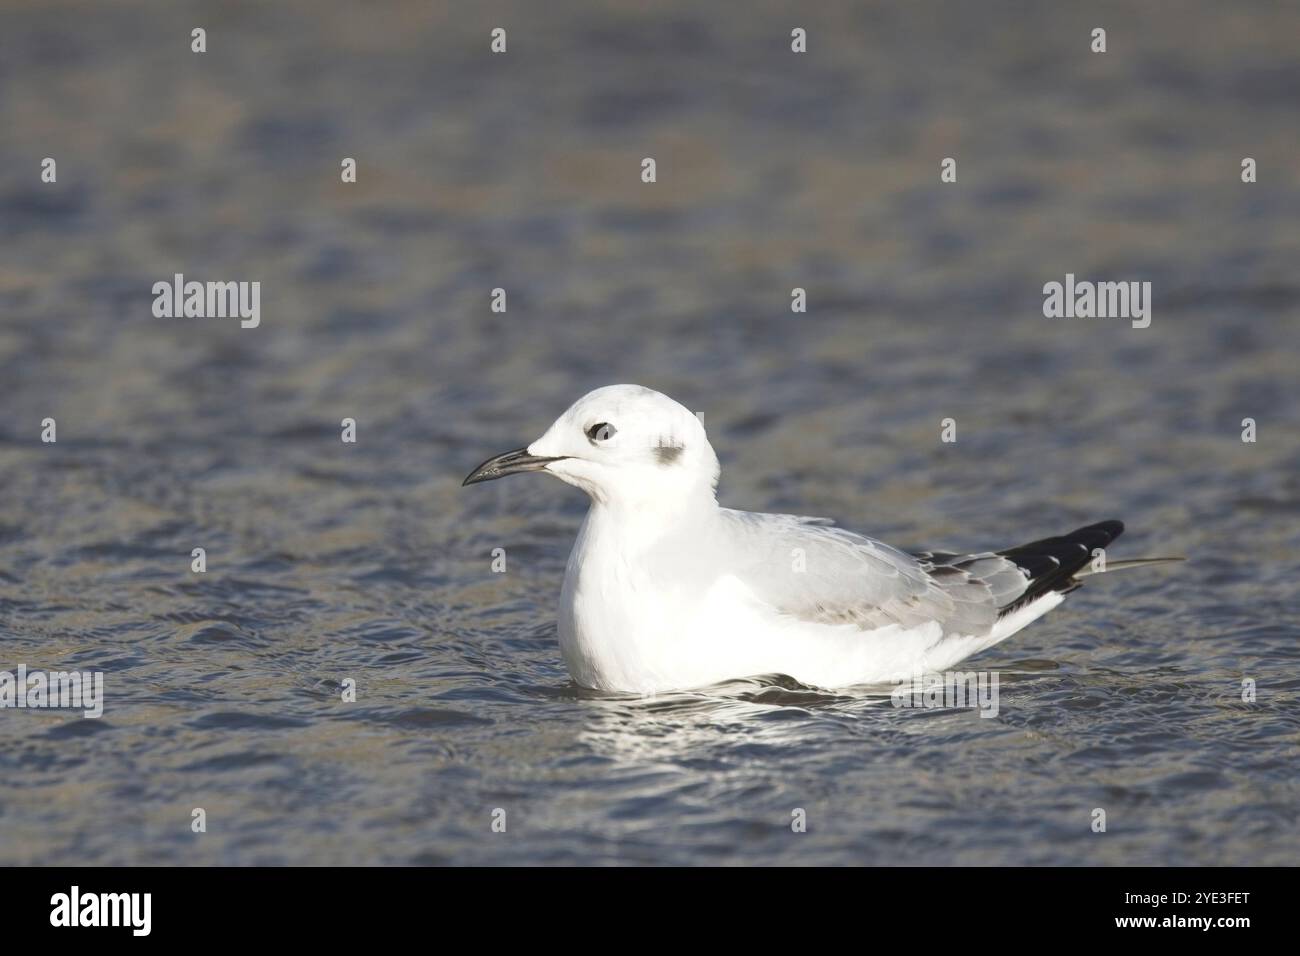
(811, 570)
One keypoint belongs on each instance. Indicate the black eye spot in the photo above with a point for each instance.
(667, 454)
(602, 431)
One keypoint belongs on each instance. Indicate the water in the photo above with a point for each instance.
(368, 562)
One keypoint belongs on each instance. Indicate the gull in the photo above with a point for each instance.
(667, 590)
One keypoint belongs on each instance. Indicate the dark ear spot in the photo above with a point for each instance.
(668, 454)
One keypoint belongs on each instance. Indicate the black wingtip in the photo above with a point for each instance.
(1050, 563)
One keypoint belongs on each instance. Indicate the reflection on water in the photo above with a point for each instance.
(330, 563)
(671, 727)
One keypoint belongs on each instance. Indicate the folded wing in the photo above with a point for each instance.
(813, 571)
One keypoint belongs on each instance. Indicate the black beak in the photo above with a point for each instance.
(511, 463)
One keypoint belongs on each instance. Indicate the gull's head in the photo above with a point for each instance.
(621, 444)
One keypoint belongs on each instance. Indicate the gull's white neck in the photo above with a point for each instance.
(629, 570)
(637, 525)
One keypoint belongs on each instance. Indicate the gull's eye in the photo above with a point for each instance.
(602, 431)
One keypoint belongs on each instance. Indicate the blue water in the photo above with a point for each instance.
(330, 562)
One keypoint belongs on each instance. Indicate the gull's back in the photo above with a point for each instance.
(811, 570)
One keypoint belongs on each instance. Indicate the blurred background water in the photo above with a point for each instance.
(329, 561)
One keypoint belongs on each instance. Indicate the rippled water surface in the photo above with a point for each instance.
(329, 562)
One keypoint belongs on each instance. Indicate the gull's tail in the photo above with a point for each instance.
(1121, 565)
(1057, 564)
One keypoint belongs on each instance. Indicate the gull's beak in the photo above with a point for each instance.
(511, 463)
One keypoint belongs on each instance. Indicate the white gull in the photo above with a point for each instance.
(667, 590)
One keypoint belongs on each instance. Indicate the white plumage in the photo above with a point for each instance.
(666, 590)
